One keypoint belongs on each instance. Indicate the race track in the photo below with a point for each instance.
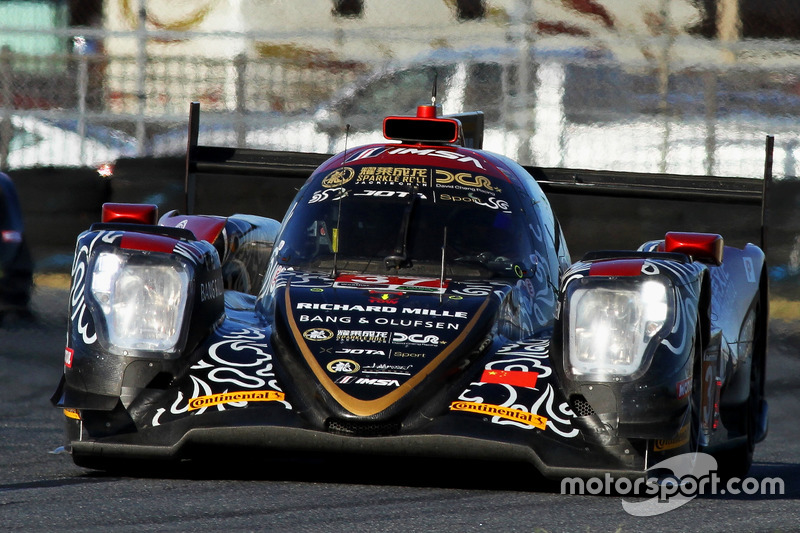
(42, 491)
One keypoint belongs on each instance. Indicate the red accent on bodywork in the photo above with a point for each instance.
(515, 378)
(427, 111)
(133, 213)
(147, 243)
(12, 236)
(204, 228)
(706, 247)
(617, 267)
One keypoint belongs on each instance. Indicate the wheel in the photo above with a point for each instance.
(696, 437)
(736, 460)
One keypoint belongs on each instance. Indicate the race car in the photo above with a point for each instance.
(16, 264)
(418, 300)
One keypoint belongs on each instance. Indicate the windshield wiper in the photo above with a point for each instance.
(399, 258)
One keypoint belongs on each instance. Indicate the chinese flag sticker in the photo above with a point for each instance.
(515, 378)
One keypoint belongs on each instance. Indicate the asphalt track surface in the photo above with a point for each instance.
(43, 491)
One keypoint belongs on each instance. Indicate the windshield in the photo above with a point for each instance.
(409, 220)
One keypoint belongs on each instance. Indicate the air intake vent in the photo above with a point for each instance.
(362, 429)
(580, 406)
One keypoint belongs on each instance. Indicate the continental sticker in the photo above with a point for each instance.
(682, 438)
(517, 415)
(239, 396)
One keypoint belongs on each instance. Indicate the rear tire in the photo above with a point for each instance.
(737, 460)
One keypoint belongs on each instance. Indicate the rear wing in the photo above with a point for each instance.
(596, 209)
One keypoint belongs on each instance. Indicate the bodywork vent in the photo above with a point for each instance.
(580, 406)
(362, 429)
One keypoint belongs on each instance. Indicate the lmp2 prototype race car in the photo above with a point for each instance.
(419, 301)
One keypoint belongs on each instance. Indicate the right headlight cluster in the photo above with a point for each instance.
(613, 325)
(143, 300)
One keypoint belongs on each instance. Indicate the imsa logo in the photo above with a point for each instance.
(379, 382)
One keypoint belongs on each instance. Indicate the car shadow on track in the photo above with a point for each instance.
(351, 469)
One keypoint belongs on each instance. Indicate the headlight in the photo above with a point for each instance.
(612, 324)
(143, 300)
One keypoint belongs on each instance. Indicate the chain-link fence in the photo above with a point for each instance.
(90, 81)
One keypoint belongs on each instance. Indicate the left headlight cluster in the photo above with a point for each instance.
(143, 299)
(612, 326)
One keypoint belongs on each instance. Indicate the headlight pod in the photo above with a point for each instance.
(143, 299)
(613, 325)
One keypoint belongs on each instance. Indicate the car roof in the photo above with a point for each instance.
(433, 155)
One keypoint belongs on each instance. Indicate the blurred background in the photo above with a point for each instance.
(681, 86)
(94, 94)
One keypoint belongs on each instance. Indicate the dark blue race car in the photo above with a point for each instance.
(16, 265)
(418, 300)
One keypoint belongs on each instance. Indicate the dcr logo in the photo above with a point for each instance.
(415, 338)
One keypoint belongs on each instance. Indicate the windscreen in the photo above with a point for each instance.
(422, 221)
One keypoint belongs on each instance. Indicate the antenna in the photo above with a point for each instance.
(334, 272)
(441, 275)
(433, 91)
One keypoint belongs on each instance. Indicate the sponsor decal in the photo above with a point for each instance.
(346, 366)
(318, 334)
(346, 307)
(360, 351)
(415, 338)
(428, 324)
(683, 388)
(434, 312)
(209, 290)
(517, 415)
(336, 193)
(407, 354)
(384, 368)
(391, 283)
(380, 382)
(365, 154)
(338, 177)
(491, 202)
(238, 396)
(515, 378)
(464, 180)
(360, 335)
(680, 439)
(324, 318)
(388, 194)
(545, 399)
(430, 152)
(377, 297)
(69, 353)
(393, 175)
(444, 154)
(240, 360)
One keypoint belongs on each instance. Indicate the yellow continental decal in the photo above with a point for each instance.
(72, 413)
(682, 438)
(517, 415)
(238, 396)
